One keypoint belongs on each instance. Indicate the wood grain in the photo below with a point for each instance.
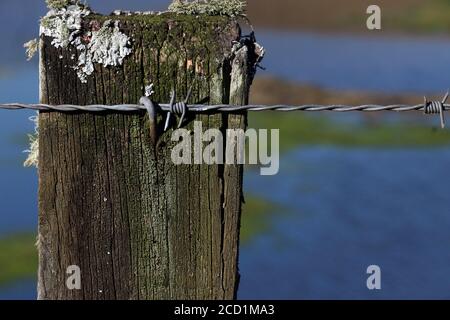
(138, 226)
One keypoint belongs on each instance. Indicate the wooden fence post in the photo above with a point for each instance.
(138, 226)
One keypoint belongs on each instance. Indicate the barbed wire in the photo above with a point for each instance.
(199, 108)
(181, 108)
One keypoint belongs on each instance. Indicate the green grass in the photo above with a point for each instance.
(256, 214)
(302, 129)
(430, 16)
(18, 258)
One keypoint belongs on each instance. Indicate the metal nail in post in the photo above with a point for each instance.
(151, 109)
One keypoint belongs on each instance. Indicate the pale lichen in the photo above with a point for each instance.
(230, 8)
(31, 48)
(64, 24)
(149, 90)
(106, 45)
(33, 153)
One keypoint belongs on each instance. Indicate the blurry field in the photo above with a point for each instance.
(18, 258)
(369, 129)
(350, 15)
(18, 254)
(256, 217)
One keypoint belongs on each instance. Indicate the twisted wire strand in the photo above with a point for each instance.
(200, 108)
(179, 108)
(434, 107)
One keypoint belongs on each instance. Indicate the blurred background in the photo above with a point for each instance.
(353, 189)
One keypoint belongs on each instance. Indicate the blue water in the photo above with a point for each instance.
(347, 209)
(22, 290)
(344, 209)
(18, 186)
(382, 64)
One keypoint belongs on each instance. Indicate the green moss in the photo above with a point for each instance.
(59, 4)
(301, 129)
(18, 258)
(256, 215)
(156, 28)
(160, 18)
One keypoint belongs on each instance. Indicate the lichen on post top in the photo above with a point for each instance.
(104, 43)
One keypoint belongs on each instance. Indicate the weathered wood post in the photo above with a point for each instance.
(138, 226)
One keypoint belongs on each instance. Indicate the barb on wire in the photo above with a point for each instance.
(180, 108)
(436, 107)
